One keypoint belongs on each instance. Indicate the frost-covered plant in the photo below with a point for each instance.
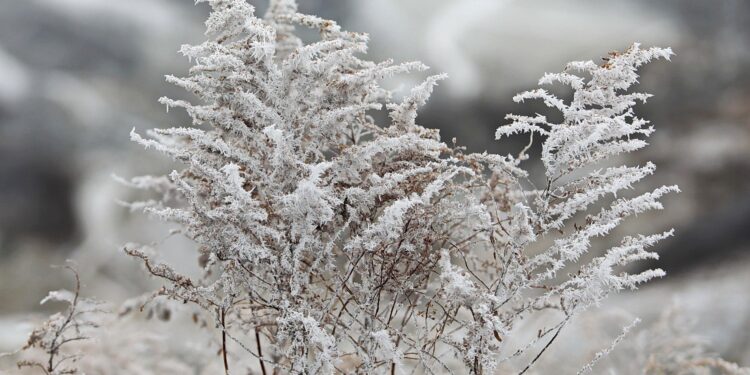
(55, 336)
(86, 338)
(333, 243)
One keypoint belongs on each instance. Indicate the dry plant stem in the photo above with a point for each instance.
(68, 319)
(549, 343)
(260, 352)
(224, 341)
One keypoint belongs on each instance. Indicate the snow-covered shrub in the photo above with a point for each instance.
(330, 242)
(349, 245)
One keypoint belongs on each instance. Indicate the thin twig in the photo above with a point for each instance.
(224, 342)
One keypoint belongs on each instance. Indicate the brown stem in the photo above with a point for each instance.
(55, 346)
(224, 342)
(545, 347)
(260, 352)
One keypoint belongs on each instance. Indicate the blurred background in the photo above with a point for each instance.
(77, 75)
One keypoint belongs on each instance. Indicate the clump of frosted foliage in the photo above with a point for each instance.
(331, 242)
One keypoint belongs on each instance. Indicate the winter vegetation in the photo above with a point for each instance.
(335, 234)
